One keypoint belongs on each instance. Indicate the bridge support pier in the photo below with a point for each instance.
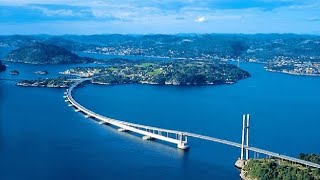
(122, 130)
(147, 138)
(182, 144)
(102, 122)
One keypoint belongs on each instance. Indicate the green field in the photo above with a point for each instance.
(155, 72)
(113, 69)
(145, 64)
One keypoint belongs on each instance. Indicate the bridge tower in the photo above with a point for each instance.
(245, 136)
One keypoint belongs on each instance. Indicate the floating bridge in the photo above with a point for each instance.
(177, 137)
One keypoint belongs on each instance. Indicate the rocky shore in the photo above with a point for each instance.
(240, 164)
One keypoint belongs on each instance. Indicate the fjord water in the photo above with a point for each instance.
(42, 138)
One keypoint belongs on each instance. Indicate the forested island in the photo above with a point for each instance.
(154, 72)
(266, 169)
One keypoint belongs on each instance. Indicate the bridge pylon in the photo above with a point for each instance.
(245, 136)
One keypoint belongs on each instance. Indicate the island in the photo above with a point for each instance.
(154, 72)
(181, 72)
(41, 53)
(14, 72)
(280, 169)
(42, 72)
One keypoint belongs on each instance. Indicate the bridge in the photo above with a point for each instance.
(177, 137)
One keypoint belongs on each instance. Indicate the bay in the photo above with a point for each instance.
(42, 138)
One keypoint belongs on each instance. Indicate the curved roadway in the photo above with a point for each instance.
(149, 131)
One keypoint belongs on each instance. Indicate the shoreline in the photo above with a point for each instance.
(292, 73)
(111, 84)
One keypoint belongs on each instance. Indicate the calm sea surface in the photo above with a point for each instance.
(42, 138)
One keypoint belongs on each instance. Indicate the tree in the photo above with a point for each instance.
(238, 48)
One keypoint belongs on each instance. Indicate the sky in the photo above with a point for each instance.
(159, 16)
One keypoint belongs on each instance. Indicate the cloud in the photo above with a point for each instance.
(165, 15)
(313, 19)
(57, 12)
(201, 19)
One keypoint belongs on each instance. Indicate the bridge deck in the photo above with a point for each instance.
(157, 133)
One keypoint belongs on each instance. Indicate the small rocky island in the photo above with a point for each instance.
(278, 169)
(151, 72)
(42, 72)
(14, 72)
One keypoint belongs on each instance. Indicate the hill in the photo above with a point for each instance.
(41, 53)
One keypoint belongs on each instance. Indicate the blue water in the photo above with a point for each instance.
(42, 138)
(115, 56)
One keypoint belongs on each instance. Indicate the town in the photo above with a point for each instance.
(294, 66)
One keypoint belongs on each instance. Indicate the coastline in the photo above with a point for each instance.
(39, 84)
(240, 164)
(292, 73)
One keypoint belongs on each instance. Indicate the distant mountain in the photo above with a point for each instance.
(2, 67)
(247, 47)
(18, 40)
(40, 53)
(68, 44)
(261, 47)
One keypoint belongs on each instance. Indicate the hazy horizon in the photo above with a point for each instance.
(174, 34)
